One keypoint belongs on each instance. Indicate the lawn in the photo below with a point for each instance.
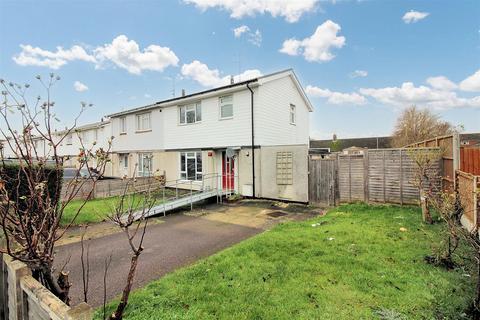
(97, 210)
(355, 263)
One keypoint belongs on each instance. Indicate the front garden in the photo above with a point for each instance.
(357, 262)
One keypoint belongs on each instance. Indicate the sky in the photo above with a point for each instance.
(360, 62)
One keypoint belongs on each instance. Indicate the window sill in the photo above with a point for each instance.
(123, 133)
(293, 123)
(188, 181)
(143, 131)
(189, 124)
(226, 118)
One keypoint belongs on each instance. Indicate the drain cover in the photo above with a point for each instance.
(276, 214)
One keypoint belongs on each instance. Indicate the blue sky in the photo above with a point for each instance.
(360, 61)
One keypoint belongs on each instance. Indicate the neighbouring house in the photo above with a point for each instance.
(341, 144)
(354, 150)
(90, 136)
(252, 136)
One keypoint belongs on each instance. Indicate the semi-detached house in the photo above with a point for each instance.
(253, 135)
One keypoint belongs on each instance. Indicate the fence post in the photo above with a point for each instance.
(475, 201)
(365, 177)
(456, 153)
(15, 270)
(384, 176)
(191, 195)
(349, 178)
(401, 177)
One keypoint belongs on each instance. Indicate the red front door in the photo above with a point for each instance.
(228, 172)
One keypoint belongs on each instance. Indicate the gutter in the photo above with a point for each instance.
(253, 141)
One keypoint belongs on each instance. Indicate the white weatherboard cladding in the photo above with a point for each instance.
(272, 114)
(212, 131)
(138, 141)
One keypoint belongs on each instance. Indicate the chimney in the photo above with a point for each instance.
(232, 81)
(183, 92)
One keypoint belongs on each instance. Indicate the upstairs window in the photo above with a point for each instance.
(123, 125)
(191, 166)
(293, 116)
(226, 107)
(190, 113)
(143, 122)
(69, 139)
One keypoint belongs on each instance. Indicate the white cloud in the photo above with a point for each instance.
(441, 83)
(318, 46)
(358, 74)
(336, 97)
(471, 83)
(254, 38)
(146, 95)
(288, 9)
(127, 55)
(408, 94)
(240, 30)
(35, 56)
(414, 16)
(80, 87)
(207, 77)
(121, 52)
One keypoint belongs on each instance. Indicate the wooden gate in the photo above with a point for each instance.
(322, 182)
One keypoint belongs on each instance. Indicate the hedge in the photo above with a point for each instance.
(9, 175)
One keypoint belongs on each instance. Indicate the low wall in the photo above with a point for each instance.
(24, 298)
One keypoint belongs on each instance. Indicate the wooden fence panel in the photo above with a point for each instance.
(470, 160)
(382, 175)
(322, 181)
(467, 190)
(351, 178)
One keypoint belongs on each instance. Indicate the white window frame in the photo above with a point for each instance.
(223, 104)
(140, 122)
(141, 164)
(124, 161)
(183, 171)
(123, 125)
(293, 114)
(195, 108)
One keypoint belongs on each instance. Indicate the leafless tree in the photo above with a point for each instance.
(130, 216)
(30, 215)
(415, 125)
(426, 176)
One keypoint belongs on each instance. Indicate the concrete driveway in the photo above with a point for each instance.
(177, 242)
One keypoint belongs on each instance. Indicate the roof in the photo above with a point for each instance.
(258, 80)
(370, 143)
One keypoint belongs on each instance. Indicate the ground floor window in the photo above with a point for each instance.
(191, 165)
(124, 161)
(144, 164)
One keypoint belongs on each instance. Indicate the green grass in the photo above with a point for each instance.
(356, 264)
(97, 210)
